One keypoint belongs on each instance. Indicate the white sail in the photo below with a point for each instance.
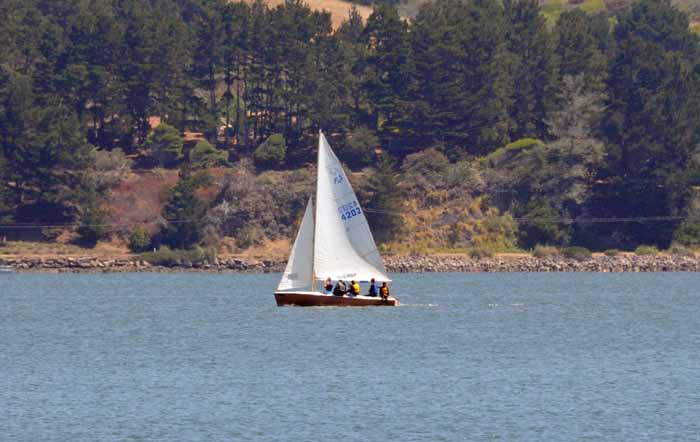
(344, 247)
(299, 274)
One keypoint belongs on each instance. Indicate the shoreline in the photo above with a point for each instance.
(393, 263)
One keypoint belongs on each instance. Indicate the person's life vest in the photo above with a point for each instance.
(384, 291)
(356, 288)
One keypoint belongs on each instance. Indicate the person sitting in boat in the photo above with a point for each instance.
(384, 291)
(354, 288)
(339, 289)
(372, 289)
(328, 286)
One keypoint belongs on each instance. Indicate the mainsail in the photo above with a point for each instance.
(343, 244)
(298, 275)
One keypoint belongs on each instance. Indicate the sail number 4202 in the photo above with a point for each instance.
(349, 210)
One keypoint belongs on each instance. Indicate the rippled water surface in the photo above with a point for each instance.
(201, 357)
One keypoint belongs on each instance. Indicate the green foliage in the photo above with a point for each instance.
(553, 9)
(544, 226)
(463, 89)
(579, 48)
(271, 153)
(423, 175)
(166, 145)
(650, 149)
(523, 143)
(93, 226)
(359, 148)
(545, 251)
(249, 236)
(593, 6)
(386, 200)
(182, 214)
(461, 79)
(480, 253)
(688, 233)
(111, 161)
(204, 155)
(167, 257)
(535, 71)
(577, 253)
(646, 250)
(611, 252)
(497, 233)
(139, 239)
(681, 250)
(254, 208)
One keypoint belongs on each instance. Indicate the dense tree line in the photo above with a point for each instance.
(590, 119)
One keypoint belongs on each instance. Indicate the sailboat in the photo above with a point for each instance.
(334, 241)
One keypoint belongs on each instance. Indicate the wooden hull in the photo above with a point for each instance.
(315, 299)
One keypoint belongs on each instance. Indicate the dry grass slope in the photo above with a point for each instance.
(339, 9)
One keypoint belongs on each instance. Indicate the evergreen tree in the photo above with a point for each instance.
(578, 49)
(45, 150)
(534, 74)
(389, 63)
(182, 214)
(385, 204)
(166, 145)
(204, 155)
(463, 84)
(651, 122)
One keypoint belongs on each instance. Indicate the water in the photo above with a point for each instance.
(534, 357)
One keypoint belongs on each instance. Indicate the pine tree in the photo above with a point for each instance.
(385, 204)
(535, 74)
(463, 81)
(578, 49)
(651, 122)
(389, 63)
(182, 214)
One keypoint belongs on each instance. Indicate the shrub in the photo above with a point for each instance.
(111, 161)
(139, 239)
(271, 153)
(204, 155)
(497, 232)
(544, 227)
(92, 225)
(688, 232)
(611, 252)
(480, 253)
(577, 253)
(680, 250)
(249, 236)
(544, 251)
(167, 257)
(50, 234)
(183, 212)
(358, 150)
(646, 250)
(523, 143)
(424, 172)
(166, 145)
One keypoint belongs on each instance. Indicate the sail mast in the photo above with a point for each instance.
(313, 253)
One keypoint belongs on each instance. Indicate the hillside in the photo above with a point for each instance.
(339, 9)
(198, 131)
(551, 9)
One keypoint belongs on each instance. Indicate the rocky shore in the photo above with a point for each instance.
(394, 264)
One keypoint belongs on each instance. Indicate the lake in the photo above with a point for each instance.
(483, 357)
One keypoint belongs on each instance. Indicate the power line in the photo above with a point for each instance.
(521, 220)
(76, 226)
(554, 220)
